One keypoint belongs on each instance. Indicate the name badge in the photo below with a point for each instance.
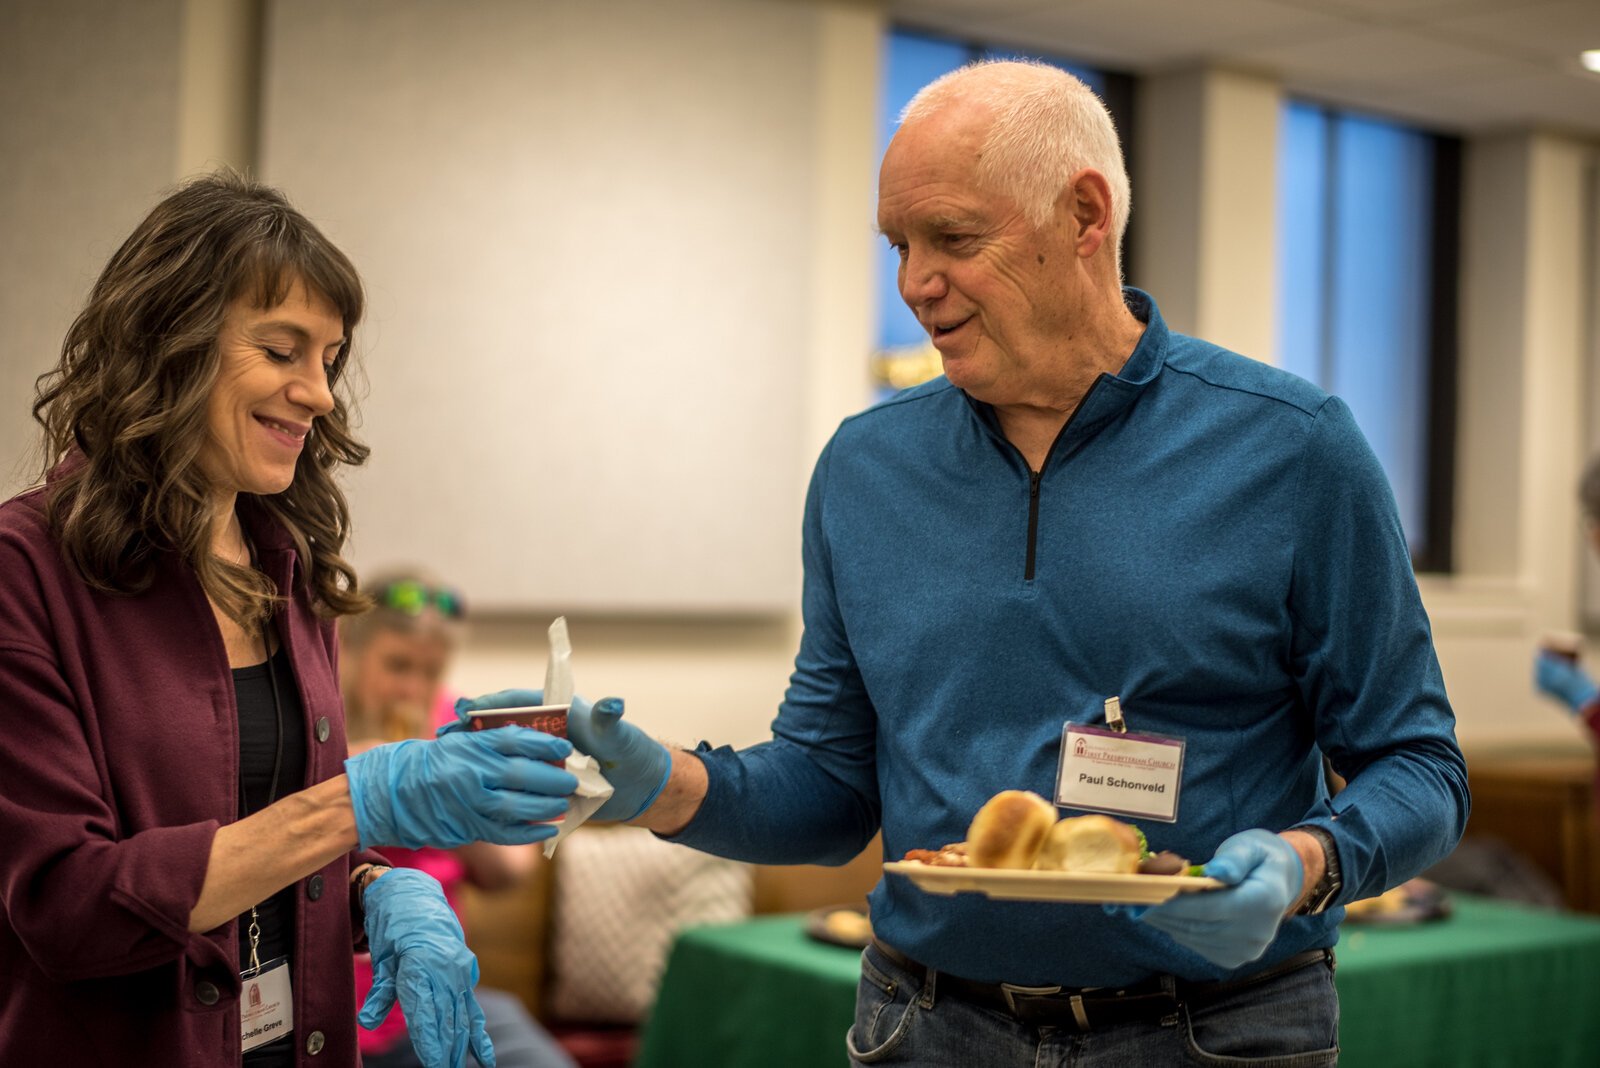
(1120, 773)
(266, 1004)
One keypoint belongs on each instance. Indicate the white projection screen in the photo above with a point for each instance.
(585, 232)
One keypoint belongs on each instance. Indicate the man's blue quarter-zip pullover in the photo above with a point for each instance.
(1211, 539)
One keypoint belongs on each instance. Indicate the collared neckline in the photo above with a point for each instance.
(1109, 395)
(275, 549)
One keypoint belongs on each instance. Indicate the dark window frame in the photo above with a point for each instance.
(1437, 552)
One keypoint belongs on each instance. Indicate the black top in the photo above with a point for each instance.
(259, 733)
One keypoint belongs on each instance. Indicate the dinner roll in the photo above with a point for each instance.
(1090, 843)
(1008, 830)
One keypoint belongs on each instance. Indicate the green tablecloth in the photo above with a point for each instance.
(1496, 984)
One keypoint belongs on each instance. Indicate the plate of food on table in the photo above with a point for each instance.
(1017, 849)
(1413, 901)
(842, 925)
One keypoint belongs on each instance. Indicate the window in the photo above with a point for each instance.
(1367, 236)
(912, 59)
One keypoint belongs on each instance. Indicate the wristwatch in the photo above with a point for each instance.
(364, 877)
(1331, 883)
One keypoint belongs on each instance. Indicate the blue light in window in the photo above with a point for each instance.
(1383, 182)
(910, 62)
(1302, 195)
(1354, 280)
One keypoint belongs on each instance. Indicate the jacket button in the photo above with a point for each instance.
(315, 1042)
(322, 728)
(207, 992)
(314, 887)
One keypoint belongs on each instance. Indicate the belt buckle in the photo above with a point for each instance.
(1011, 990)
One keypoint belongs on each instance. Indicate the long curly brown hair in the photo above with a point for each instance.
(124, 412)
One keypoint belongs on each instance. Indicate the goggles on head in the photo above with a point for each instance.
(413, 598)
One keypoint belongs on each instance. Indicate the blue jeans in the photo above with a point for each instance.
(1290, 1021)
(519, 1041)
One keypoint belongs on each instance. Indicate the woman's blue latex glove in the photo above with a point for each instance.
(1564, 680)
(478, 786)
(635, 764)
(420, 957)
(1232, 927)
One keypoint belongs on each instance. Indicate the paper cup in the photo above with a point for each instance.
(552, 719)
(1563, 643)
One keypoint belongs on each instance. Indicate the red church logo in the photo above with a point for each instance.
(1080, 747)
(255, 994)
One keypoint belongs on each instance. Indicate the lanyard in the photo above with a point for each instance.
(277, 765)
(277, 727)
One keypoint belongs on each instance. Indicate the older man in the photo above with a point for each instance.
(1085, 505)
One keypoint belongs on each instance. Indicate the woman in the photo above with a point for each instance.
(187, 858)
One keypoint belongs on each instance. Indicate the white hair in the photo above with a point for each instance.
(1047, 126)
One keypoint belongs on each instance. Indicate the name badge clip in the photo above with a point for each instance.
(1113, 770)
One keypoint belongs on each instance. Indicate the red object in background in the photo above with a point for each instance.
(598, 1045)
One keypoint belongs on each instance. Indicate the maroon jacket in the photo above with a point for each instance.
(119, 759)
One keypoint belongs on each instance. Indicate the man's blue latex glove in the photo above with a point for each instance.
(1563, 680)
(635, 764)
(420, 957)
(1232, 927)
(479, 786)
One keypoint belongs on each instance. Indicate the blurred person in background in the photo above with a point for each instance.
(394, 659)
(186, 864)
(1558, 670)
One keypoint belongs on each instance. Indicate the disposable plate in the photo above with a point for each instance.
(1085, 888)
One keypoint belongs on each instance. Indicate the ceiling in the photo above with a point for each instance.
(1459, 66)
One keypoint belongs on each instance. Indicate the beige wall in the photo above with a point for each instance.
(88, 132)
(1527, 355)
(595, 282)
(696, 679)
(1208, 142)
(85, 146)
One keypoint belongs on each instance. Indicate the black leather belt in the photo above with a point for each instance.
(1093, 1008)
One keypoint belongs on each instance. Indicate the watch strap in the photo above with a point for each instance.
(1332, 881)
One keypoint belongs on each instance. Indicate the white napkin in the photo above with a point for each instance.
(558, 670)
(593, 789)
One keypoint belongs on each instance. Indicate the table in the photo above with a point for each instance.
(1495, 984)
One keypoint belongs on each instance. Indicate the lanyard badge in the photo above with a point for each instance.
(1110, 769)
(266, 1003)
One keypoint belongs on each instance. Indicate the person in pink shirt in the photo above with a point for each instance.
(393, 662)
